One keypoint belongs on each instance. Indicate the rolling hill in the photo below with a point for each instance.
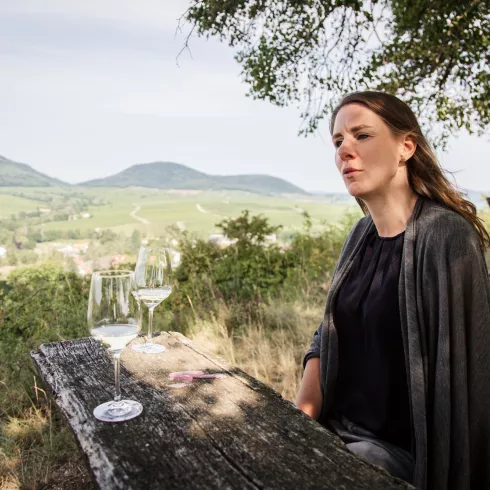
(19, 174)
(168, 175)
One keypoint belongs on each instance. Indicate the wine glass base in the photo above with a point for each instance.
(148, 348)
(125, 410)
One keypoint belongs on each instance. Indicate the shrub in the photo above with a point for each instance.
(39, 304)
(249, 273)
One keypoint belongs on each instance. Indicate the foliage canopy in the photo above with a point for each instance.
(433, 54)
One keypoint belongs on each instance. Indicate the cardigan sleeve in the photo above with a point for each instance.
(455, 294)
(315, 347)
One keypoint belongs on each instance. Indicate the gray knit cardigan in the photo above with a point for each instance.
(444, 295)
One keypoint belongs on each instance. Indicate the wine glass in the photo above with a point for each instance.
(153, 275)
(112, 318)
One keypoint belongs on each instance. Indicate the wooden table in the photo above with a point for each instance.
(229, 433)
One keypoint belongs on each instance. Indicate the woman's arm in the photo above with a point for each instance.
(454, 291)
(309, 398)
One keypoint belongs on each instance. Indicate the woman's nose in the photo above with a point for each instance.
(345, 151)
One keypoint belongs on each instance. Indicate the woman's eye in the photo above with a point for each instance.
(362, 136)
(337, 143)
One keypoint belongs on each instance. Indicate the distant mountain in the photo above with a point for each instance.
(477, 198)
(334, 197)
(22, 175)
(168, 175)
(258, 183)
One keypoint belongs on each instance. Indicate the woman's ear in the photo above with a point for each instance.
(408, 147)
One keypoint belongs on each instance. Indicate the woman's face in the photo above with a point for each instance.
(368, 156)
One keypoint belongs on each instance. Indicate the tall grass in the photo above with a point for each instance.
(270, 350)
(38, 451)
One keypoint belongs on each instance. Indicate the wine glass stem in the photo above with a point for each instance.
(150, 324)
(140, 315)
(117, 396)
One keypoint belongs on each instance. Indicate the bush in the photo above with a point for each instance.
(39, 304)
(313, 258)
(250, 273)
(240, 275)
(27, 257)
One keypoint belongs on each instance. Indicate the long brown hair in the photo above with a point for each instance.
(425, 174)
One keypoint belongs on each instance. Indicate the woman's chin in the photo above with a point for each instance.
(355, 190)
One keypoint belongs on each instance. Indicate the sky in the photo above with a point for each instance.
(89, 88)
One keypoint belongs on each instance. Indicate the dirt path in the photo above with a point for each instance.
(133, 215)
(205, 211)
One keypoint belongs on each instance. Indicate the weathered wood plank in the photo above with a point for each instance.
(231, 433)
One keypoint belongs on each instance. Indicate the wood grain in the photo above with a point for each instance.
(227, 433)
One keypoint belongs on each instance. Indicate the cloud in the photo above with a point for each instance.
(157, 14)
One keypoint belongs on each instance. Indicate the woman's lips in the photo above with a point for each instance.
(350, 172)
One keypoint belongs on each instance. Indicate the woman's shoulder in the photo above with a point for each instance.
(436, 217)
(439, 225)
(360, 228)
(355, 235)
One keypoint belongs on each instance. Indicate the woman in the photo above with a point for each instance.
(400, 365)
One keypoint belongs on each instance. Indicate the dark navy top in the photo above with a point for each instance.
(372, 389)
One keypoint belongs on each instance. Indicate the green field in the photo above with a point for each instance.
(13, 204)
(25, 199)
(151, 210)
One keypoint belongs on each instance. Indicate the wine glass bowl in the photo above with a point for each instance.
(113, 320)
(153, 278)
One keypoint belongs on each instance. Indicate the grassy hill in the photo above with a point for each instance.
(262, 184)
(152, 210)
(168, 175)
(157, 175)
(20, 174)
